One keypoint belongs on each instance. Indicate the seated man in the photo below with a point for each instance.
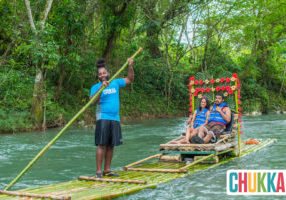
(220, 116)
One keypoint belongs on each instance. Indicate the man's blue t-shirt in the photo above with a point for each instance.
(108, 105)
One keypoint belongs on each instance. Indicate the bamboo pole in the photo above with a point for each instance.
(40, 196)
(143, 160)
(158, 170)
(196, 162)
(68, 125)
(86, 178)
(238, 127)
(187, 145)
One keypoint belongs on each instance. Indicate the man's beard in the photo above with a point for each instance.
(104, 79)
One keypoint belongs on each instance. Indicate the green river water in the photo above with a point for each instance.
(74, 154)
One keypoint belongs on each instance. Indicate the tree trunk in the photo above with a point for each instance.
(282, 84)
(38, 98)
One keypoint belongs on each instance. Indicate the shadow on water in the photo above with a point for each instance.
(74, 154)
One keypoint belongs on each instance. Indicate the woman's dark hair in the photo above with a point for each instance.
(207, 102)
(100, 63)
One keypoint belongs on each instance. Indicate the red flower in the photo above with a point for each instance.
(238, 96)
(198, 89)
(227, 88)
(227, 80)
(201, 82)
(222, 80)
(217, 88)
(235, 75)
(240, 126)
(196, 82)
(237, 80)
(240, 120)
(212, 81)
(230, 92)
(208, 89)
(222, 88)
(237, 85)
(241, 133)
(239, 114)
(192, 78)
(239, 109)
(239, 102)
(202, 90)
(195, 94)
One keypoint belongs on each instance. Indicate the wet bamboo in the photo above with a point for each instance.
(196, 162)
(40, 196)
(238, 127)
(143, 160)
(110, 180)
(187, 145)
(158, 170)
(68, 125)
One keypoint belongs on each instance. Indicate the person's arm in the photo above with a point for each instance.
(207, 119)
(106, 84)
(227, 115)
(194, 118)
(130, 77)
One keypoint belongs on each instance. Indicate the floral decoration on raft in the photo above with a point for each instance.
(196, 89)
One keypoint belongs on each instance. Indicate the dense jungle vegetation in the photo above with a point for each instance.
(48, 51)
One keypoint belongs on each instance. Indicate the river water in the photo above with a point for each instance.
(74, 154)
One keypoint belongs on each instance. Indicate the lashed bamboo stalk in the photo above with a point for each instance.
(187, 145)
(238, 127)
(40, 196)
(86, 178)
(67, 125)
(196, 162)
(143, 160)
(222, 147)
(158, 170)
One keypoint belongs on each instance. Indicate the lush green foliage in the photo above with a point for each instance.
(180, 38)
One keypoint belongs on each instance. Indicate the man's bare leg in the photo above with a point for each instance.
(100, 154)
(207, 138)
(108, 158)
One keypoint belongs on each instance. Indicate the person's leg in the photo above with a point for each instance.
(195, 132)
(100, 154)
(207, 138)
(108, 158)
(188, 134)
(202, 132)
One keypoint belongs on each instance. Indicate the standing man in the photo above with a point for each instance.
(108, 129)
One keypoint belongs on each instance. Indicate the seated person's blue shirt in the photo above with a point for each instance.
(108, 105)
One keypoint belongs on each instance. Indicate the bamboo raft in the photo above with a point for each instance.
(130, 180)
(173, 160)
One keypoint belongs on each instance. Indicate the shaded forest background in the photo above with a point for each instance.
(48, 51)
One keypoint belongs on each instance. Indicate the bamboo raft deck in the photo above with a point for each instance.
(95, 189)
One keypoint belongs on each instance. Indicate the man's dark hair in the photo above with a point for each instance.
(100, 63)
(220, 94)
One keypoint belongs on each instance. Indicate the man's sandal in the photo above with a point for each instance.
(110, 173)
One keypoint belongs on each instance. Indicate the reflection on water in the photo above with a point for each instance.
(74, 154)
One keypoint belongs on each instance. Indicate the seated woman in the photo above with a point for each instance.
(199, 118)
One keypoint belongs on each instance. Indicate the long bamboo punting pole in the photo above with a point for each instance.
(143, 160)
(68, 125)
(238, 127)
(40, 196)
(196, 162)
(158, 170)
(86, 178)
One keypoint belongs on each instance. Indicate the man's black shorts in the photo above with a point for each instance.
(108, 133)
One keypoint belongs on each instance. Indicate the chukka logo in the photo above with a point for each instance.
(256, 182)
